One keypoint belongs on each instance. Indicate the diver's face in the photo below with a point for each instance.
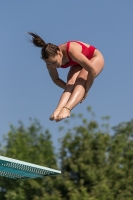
(55, 61)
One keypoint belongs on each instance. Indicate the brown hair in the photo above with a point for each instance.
(48, 50)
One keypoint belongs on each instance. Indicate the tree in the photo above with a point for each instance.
(120, 161)
(96, 165)
(34, 145)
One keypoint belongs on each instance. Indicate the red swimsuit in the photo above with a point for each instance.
(87, 51)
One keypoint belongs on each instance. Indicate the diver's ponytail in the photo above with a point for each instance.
(47, 49)
(37, 40)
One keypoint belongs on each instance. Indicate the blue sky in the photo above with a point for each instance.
(26, 89)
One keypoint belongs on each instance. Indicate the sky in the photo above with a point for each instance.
(26, 90)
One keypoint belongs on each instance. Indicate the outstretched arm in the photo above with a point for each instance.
(55, 77)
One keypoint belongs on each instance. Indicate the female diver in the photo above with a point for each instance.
(85, 62)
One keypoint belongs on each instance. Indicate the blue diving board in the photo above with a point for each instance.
(17, 169)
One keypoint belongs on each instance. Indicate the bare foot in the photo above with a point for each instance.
(54, 115)
(65, 113)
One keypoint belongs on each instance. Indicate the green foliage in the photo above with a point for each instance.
(83, 161)
(34, 145)
(95, 164)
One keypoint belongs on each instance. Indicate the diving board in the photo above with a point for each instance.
(17, 169)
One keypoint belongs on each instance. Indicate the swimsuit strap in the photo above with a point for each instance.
(83, 46)
(67, 49)
(68, 46)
